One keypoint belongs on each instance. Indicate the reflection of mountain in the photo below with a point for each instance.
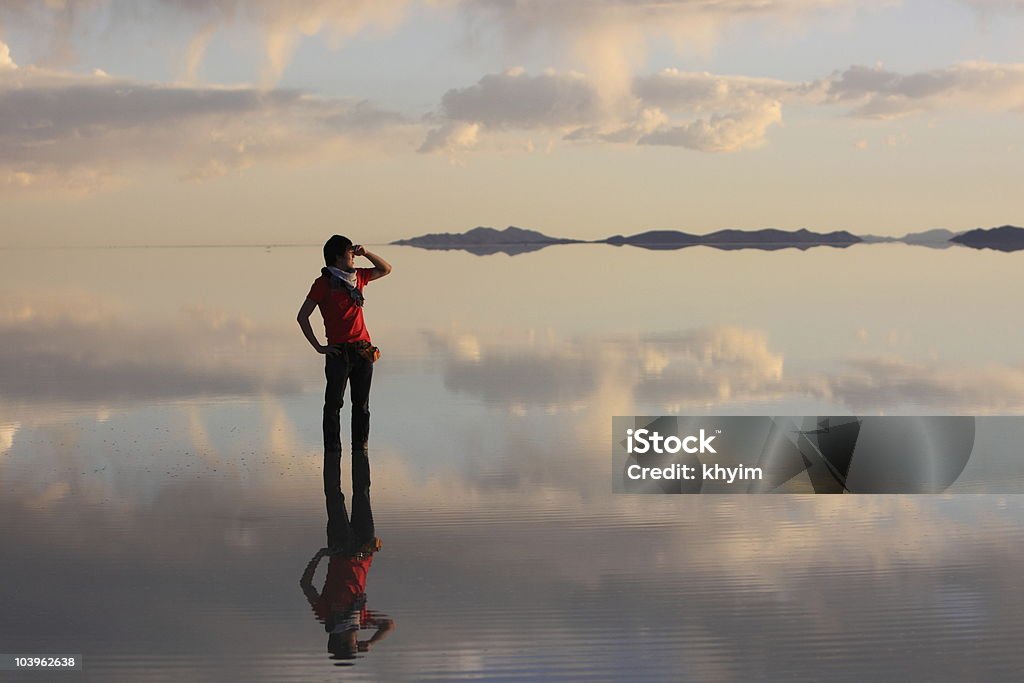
(939, 238)
(931, 238)
(512, 240)
(767, 239)
(484, 241)
(1006, 238)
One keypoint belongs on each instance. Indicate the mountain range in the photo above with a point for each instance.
(483, 241)
(514, 240)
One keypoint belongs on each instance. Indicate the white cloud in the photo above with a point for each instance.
(279, 25)
(110, 360)
(6, 61)
(867, 384)
(64, 129)
(741, 109)
(714, 367)
(514, 99)
(673, 89)
(730, 132)
(608, 37)
(710, 365)
(283, 24)
(7, 434)
(451, 137)
(878, 93)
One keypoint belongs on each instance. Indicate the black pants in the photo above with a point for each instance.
(347, 368)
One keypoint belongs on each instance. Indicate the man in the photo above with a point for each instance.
(341, 606)
(349, 359)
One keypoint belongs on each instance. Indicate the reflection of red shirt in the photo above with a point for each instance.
(343, 320)
(346, 581)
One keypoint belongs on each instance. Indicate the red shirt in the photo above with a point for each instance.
(346, 581)
(343, 319)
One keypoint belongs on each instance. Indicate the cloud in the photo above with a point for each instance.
(51, 23)
(525, 16)
(64, 129)
(696, 368)
(674, 90)
(7, 434)
(776, 551)
(6, 61)
(994, 5)
(547, 375)
(723, 113)
(868, 384)
(881, 94)
(610, 37)
(451, 137)
(279, 25)
(283, 24)
(516, 100)
(74, 353)
(513, 100)
(709, 368)
(740, 109)
(721, 133)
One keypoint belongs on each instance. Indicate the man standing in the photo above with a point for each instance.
(341, 606)
(349, 360)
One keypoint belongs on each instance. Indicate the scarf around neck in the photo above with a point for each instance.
(347, 279)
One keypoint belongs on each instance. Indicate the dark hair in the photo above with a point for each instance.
(339, 645)
(335, 247)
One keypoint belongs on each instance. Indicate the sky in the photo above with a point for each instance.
(262, 122)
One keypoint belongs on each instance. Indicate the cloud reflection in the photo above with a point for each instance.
(715, 368)
(475, 552)
(72, 355)
(870, 383)
(7, 433)
(528, 513)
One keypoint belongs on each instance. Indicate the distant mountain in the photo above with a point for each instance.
(938, 238)
(513, 240)
(1006, 238)
(768, 238)
(930, 237)
(656, 239)
(483, 241)
(772, 236)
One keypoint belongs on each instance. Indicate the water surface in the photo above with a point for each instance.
(160, 456)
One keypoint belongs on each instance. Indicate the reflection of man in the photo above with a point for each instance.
(341, 607)
(349, 358)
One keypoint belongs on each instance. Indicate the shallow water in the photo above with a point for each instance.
(160, 465)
